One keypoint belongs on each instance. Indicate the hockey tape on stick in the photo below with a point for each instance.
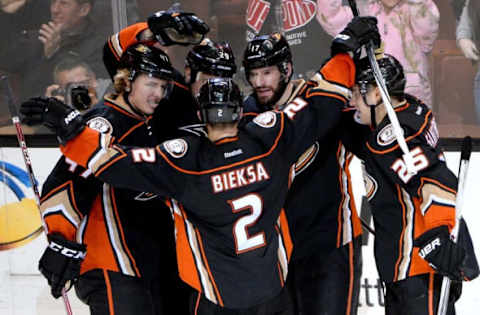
(462, 179)
(397, 130)
(26, 158)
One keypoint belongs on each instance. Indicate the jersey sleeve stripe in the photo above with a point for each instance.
(419, 132)
(114, 44)
(326, 86)
(115, 234)
(405, 245)
(120, 228)
(341, 98)
(212, 279)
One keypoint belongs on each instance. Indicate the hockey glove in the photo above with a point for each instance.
(441, 252)
(175, 27)
(360, 31)
(64, 120)
(60, 263)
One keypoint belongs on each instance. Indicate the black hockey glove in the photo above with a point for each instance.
(60, 263)
(64, 120)
(441, 252)
(360, 31)
(175, 27)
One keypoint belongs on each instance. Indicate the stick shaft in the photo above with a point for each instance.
(28, 162)
(462, 179)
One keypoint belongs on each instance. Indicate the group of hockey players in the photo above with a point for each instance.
(264, 218)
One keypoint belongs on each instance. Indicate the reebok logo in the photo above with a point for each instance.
(71, 116)
(427, 249)
(232, 153)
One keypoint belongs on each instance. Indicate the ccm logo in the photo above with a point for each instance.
(71, 116)
(427, 249)
(66, 251)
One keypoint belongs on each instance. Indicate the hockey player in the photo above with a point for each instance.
(207, 59)
(413, 213)
(122, 242)
(326, 265)
(227, 188)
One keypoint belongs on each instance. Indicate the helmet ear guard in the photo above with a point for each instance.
(220, 101)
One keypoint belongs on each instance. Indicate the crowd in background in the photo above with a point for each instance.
(431, 38)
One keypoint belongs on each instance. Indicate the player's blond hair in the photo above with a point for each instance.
(121, 82)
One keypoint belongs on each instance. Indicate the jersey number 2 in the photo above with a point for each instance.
(243, 241)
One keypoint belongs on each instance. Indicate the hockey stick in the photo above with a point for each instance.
(26, 158)
(397, 130)
(462, 179)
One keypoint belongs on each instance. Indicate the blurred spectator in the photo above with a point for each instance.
(33, 52)
(468, 36)
(72, 72)
(295, 19)
(408, 27)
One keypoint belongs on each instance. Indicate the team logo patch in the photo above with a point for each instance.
(100, 124)
(386, 136)
(177, 147)
(266, 119)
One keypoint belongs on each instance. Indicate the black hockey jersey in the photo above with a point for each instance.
(320, 206)
(231, 243)
(124, 230)
(404, 205)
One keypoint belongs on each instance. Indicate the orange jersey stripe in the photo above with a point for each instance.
(111, 307)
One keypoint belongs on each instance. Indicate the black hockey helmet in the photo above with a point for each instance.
(392, 72)
(265, 51)
(140, 58)
(211, 58)
(220, 101)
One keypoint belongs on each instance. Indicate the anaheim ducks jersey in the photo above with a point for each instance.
(405, 205)
(320, 206)
(125, 230)
(232, 243)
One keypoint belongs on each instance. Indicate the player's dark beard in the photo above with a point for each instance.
(277, 94)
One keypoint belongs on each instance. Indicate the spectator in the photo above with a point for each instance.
(468, 34)
(34, 52)
(72, 70)
(408, 27)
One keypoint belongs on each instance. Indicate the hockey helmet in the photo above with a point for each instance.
(391, 70)
(220, 101)
(211, 58)
(140, 58)
(267, 50)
